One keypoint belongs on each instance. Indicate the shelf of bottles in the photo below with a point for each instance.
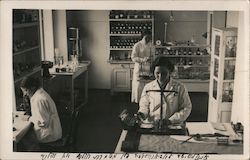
(191, 61)
(125, 30)
(26, 47)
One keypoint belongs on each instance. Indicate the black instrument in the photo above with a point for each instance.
(133, 123)
(45, 66)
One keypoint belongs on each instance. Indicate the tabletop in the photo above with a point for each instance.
(174, 144)
(21, 127)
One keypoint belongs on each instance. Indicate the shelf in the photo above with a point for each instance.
(183, 46)
(73, 39)
(193, 80)
(25, 50)
(34, 70)
(189, 56)
(228, 81)
(193, 66)
(230, 58)
(182, 80)
(120, 62)
(125, 34)
(25, 25)
(131, 19)
(216, 56)
(121, 49)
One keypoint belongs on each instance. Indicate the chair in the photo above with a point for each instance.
(66, 143)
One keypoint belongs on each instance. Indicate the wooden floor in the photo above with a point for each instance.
(99, 127)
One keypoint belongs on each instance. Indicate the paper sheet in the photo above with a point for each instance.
(199, 128)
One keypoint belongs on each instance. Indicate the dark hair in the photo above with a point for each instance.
(162, 62)
(146, 32)
(30, 83)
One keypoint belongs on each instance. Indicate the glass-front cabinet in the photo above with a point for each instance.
(223, 58)
(26, 50)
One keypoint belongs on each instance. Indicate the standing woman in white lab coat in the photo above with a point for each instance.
(45, 119)
(142, 54)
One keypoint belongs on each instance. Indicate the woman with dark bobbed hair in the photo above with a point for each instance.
(45, 119)
(176, 105)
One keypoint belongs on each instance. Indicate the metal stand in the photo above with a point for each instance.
(161, 126)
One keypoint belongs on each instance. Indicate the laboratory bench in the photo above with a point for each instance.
(131, 142)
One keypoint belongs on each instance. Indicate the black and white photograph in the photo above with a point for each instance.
(124, 80)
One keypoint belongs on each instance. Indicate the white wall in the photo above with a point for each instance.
(186, 24)
(48, 35)
(219, 19)
(232, 19)
(60, 33)
(241, 82)
(94, 33)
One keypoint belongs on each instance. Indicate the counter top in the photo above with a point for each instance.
(83, 66)
(22, 126)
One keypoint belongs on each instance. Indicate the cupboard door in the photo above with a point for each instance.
(121, 79)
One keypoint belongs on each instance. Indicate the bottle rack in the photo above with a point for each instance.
(121, 43)
(129, 27)
(125, 30)
(122, 14)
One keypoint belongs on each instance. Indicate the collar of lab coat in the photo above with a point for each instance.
(144, 43)
(36, 94)
(169, 86)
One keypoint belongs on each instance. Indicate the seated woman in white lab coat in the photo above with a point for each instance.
(176, 105)
(45, 119)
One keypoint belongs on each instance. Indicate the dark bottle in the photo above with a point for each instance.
(184, 51)
(112, 15)
(198, 52)
(189, 51)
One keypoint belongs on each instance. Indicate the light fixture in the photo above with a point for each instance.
(171, 16)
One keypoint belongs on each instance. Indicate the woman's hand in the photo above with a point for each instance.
(145, 59)
(141, 116)
(40, 124)
(25, 117)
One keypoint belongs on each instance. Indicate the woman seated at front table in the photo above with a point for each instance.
(176, 106)
(45, 119)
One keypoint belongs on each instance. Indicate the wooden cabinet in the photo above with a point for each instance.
(121, 80)
(223, 58)
(26, 48)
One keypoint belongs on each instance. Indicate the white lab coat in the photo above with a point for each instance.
(176, 106)
(139, 52)
(45, 118)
